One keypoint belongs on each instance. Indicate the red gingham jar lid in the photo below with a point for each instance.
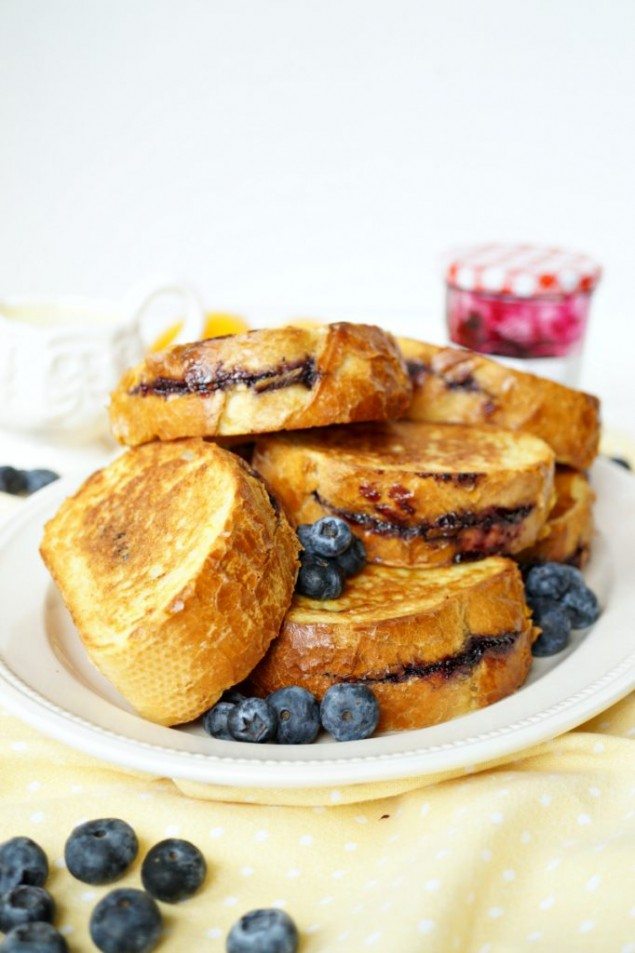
(524, 271)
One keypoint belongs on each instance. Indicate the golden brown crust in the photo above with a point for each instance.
(415, 493)
(415, 637)
(177, 570)
(566, 536)
(268, 380)
(463, 387)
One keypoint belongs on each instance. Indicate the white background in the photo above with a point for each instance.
(317, 157)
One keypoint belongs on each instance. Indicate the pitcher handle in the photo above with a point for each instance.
(192, 320)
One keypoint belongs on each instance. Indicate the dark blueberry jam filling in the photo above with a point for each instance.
(447, 526)
(203, 380)
(460, 664)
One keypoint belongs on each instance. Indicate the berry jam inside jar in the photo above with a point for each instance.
(523, 303)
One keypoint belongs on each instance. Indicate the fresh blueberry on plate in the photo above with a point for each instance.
(233, 696)
(12, 481)
(263, 931)
(126, 921)
(34, 938)
(22, 861)
(329, 536)
(353, 559)
(582, 605)
(319, 578)
(215, 720)
(35, 480)
(252, 720)
(556, 628)
(100, 851)
(173, 870)
(552, 580)
(298, 714)
(25, 904)
(349, 711)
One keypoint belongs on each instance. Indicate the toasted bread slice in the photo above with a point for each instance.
(462, 387)
(275, 379)
(416, 493)
(431, 643)
(566, 536)
(177, 570)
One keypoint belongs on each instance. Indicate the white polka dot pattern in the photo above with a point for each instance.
(506, 859)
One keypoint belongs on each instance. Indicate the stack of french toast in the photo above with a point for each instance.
(178, 561)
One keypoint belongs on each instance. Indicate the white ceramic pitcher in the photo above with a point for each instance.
(61, 356)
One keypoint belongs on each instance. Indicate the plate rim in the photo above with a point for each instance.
(465, 752)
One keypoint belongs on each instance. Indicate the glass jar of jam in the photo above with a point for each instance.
(524, 303)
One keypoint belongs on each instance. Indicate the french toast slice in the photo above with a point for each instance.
(566, 536)
(177, 569)
(462, 387)
(415, 493)
(431, 643)
(267, 380)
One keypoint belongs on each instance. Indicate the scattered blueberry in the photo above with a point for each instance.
(173, 870)
(582, 606)
(100, 851)
(556, 628)
(560, 586)
(215, 720)
(329, 536)
(552, 580)
(126, 921)
(349, 711)
(622, 462)
(263, 931)
(353, 559)
(37, 479)
(298, 714)
(22, 861)
(34, 938)
(233, 696)
(25, 904)
(12, 480)
(252, 720)
(319, 578)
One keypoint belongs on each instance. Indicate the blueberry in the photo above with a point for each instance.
(252, 720)
(173, 870)
(233, 696)
(215, 720)
(330, 536)
(353, 559)
(622, 462)
(100, 851)
(36, 479)
(556, 629)
(12, 481)
(25, 904)
(552, 580)
(298, 714)
(263, 931)
(34, 938)
(582, 606)
(319, 578)
(126, 921)
(349, 711)
(22, 861)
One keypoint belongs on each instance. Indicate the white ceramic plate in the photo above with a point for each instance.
(46, 678)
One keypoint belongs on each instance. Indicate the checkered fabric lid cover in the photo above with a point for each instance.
(525, 271)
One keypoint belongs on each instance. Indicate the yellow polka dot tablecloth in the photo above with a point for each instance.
(536, 853)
